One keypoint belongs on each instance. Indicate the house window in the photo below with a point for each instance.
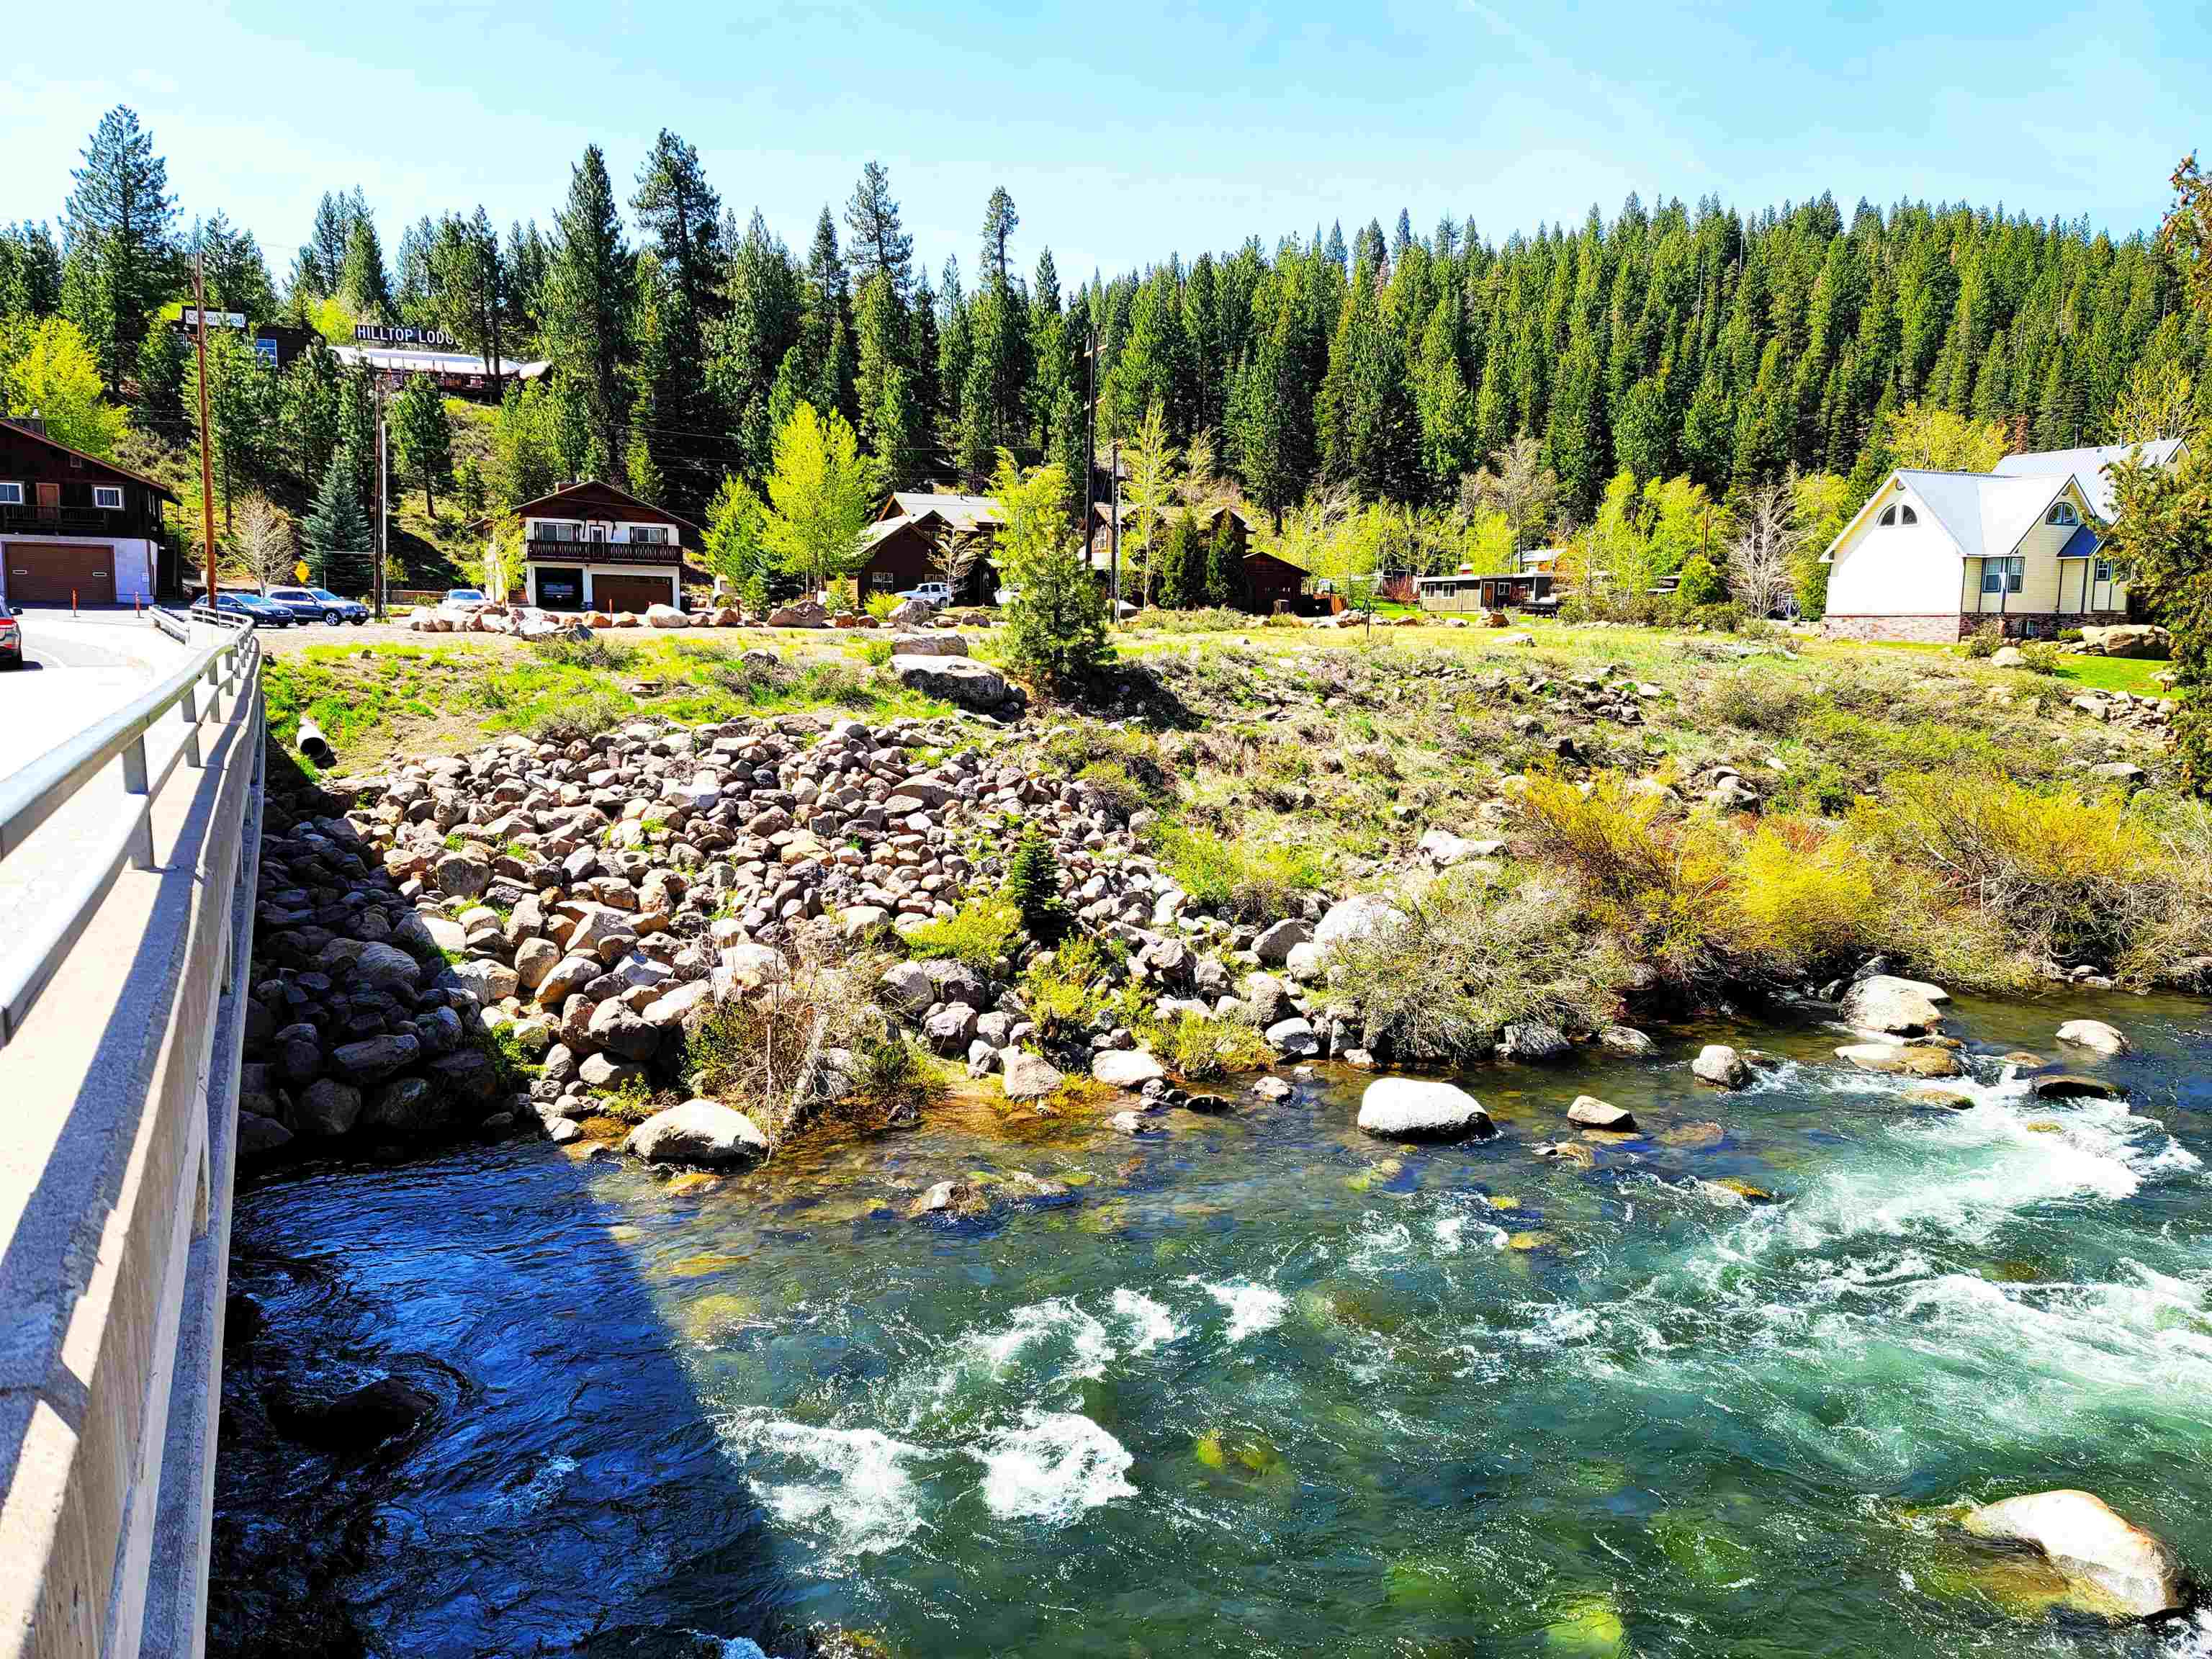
(108, 496)
(2104, 570)
(2002, 576)
(1888, 516)
(882, 581)
(2063, 513)
(655, 534)
(1906, 515)
(11, 493)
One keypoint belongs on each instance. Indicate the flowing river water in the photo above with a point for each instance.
(1261, 1386)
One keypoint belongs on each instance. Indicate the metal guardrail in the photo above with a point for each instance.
(225, 664)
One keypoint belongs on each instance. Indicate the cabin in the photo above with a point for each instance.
(906, 546)
(590, 546)
(1271, 583)
(1932, 556)
(75, 529)
(1462, 590)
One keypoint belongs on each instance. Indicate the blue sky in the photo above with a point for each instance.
(1128, 129)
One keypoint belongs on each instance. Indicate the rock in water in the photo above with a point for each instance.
(1029, 1077)
(1902, 1059)
(697, 1132)
(1126, 1068)
(2064, 1085)
(1416, 1108)
(2094, 1035)
(2131, 1574)
(1721, 1065)
(1592, 1113)
(1884, 1003)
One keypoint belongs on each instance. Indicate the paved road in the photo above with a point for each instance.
(75, 669)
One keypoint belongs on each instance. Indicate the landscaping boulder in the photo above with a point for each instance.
(2128, 639)
(1029, 1077)
(958, 680)
(805, 614)
(2127, 1573)
(1416, 1108)
(928, 644)
(1356, 918)
(665, 616)
(703, 1132)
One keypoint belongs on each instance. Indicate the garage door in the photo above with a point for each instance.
(46, 572)
(632, 592)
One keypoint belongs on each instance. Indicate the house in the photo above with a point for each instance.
(1932, 556)
(76, 528)
(1464, 591)
(1270, 583)
(907, 544)
(2091, 467)
(590, 546)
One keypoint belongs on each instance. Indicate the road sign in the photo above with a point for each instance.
(300, 571)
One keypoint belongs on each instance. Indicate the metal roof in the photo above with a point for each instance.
(2088, 465)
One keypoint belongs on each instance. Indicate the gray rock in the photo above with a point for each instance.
(951, 1029)
(326, 1109)
(904, 988)
(2094, 1034)
(1591, 1113)
(619, 1031)
(386, 968)
(568, 977)
(405, 1103)
(461, 874)
(1532, 1040)
(605, 1072)
(1133, 1123)
(1293, 1038)
(534, 958)
(1274, 944)
(260, 1137)
(1029, 1077)
(1721, 1065)
(1359, 917)
(1626, 1040)
(958, 680)
(488, 982)
(1126, 1068)
(375, 1058)
(1886, 1003)
(1419, 1108)
(703, 1132)
(1902, 1059)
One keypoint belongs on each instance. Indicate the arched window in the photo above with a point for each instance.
(1888, 516)
(1906, 515)
(2063, 513)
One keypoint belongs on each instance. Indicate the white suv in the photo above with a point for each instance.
(936, 594)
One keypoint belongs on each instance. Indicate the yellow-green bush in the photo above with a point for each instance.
(1797, 898)
(980, 932)
(1220, 874)
(1655, 882)
(1197, 1048)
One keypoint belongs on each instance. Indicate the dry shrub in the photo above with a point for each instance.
(1761, 700)
(1443, 982)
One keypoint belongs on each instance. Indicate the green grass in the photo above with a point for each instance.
(2130, 674)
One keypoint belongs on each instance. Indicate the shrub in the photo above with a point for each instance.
(1798, 897)
(1441, 984)
(893, 1082)
(1764, 700)
(585, 716)
(841, 594)
(2043, 657)
(1125, 768)
(877, 653)
(1700, 585)
(1220, 875)
(982, 932)
(594, 650)
(1033, 887)
(880, 605)
(1197, 1047)
(1984, 640)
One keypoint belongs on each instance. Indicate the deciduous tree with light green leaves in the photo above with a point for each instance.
(822, 492)
(56, 376)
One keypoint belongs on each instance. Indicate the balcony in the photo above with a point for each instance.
(31, 519)
(568, 552)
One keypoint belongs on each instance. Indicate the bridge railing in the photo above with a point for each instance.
(150, 744)
(129, 863)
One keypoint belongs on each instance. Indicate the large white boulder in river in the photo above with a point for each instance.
(1418, 1109)
(1126, 1068)
(2128, 1573)
(2093, 1034)
(697, 1132)
(1721, 1065)
(1894, 1006)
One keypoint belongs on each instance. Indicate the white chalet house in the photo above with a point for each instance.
(1933, 555)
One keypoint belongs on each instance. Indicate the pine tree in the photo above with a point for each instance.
(890, 422)
(1182, 580)
(336, 531)
(362, 283)
(1224, 571)
(1056, 626)
(589, 290)
(425, 435)
(879, 243)
(118, 232)
(1033, 886)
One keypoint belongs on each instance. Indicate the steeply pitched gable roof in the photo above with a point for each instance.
(960, 512)
(1984, 514)
(593, 498)
(2088, 467)
(17, 429)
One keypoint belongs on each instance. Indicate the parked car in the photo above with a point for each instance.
(319, 605)
(463, 599)
(936, 594)
(262, 613)
(11, 638)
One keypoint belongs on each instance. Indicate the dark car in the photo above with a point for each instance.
(318, 604)
(262, 613)
(11, 638)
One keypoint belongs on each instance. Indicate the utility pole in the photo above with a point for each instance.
(1090, 429)
(207, 466)
(1114, 529)
(383, 500)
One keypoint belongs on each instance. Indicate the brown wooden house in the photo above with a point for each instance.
(590, 546)
(906, 546)
(1269, 581)
(73, 527)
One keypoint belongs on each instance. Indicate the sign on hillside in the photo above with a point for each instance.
(399, 334)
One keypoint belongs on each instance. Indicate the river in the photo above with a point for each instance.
(1261, 1386)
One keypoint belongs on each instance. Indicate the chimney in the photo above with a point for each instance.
(30, 422)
